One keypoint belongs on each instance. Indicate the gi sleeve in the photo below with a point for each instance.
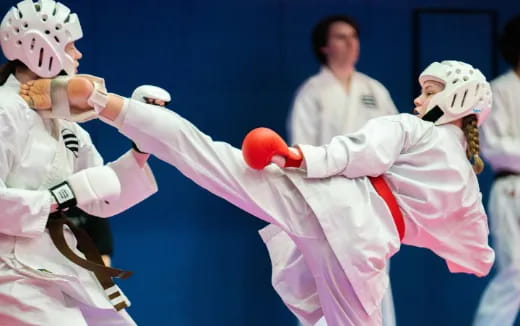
(368, 152)
(137, 183)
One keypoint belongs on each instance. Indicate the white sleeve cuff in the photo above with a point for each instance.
(314, 158)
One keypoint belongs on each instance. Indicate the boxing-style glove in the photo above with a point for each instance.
(261, 145)
(86, 187)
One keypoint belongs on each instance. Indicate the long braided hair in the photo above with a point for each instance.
(469, 126)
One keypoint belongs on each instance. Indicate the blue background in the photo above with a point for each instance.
(232, 66)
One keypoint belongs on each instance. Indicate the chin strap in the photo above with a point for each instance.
(433, 115)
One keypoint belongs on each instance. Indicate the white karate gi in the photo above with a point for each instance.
(38, 285)
(343, 228)
(323, 109)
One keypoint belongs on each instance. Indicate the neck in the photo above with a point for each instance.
(342, 71)
(24, 75)
(458, 123)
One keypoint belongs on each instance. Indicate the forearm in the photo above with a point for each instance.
(137, 183)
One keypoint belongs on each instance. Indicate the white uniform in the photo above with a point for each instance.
(323, 109)
(38, 285)
(501, 148)
(343, 228)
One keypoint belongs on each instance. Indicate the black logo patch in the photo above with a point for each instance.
(369, 101)
(71, 141)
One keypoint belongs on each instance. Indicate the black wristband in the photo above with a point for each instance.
(134, 146)
(64, 195)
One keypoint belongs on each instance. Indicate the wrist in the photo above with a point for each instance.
(294, 158)
(63, 197)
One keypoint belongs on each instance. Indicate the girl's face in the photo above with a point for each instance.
(429, 88)
(74, 53)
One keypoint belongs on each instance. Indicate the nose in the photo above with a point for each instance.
(417, 101)
(79, 55)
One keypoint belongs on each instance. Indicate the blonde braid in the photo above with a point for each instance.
(469, 126)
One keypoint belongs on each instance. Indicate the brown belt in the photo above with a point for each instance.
(93, 263)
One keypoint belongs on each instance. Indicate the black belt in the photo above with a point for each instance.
(504, 173)
(93, 263)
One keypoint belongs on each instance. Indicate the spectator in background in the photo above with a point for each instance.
(501, 147)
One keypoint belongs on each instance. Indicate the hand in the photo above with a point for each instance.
(96, 184)
(295, 159)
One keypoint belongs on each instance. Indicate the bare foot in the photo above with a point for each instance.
(37, 93)
(79, 90)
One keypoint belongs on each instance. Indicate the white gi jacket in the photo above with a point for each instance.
(33, 157)
(323, 109)
(500, 145)
(425, 166)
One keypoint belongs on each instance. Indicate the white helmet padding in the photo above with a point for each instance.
(144, 92)
(466, 92)
(36, 33)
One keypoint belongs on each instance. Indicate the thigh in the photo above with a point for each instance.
(105, 317)
(28, 301)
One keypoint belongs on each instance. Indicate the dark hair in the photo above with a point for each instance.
(320, 33)
(9, 68)
(510, 41)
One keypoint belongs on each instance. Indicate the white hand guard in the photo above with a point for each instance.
(87, 187)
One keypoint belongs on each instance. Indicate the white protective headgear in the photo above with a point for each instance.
(143, 92)
(36, 33)
(466, 92)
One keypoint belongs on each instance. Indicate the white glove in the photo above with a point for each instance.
(149, 94)
(87, 187)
